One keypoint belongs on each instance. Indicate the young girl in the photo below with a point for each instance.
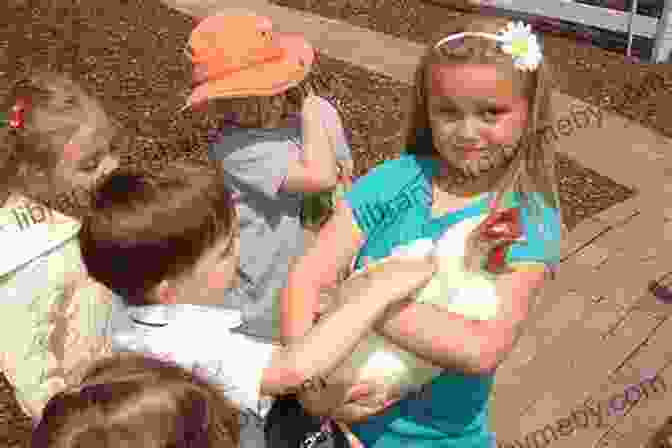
(168, 243)
(482, 97)
(260, 78)
(132, 400)
(55, 139)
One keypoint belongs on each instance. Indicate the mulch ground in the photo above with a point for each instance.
(129, 52)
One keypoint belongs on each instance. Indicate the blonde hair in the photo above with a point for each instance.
(34, 150)
(533, 168)
(131, 400)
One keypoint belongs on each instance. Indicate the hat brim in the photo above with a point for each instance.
(264, 79)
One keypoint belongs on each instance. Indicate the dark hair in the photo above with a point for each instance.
(145, 227)
(131, 400)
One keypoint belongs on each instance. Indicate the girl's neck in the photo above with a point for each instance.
(453, 181)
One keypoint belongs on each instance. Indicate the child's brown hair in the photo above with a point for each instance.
(145, 227)
(533, 168)
(56, 109)
(277, 110)
(130, 400)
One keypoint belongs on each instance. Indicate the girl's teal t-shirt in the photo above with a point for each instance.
(392, 207)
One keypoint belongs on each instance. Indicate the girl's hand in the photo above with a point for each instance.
(358, 412)
(359, 392)
(363, 402)
(323, 402)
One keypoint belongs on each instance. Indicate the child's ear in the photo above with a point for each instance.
(166, 293)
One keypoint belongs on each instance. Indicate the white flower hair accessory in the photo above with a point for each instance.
(516, 39)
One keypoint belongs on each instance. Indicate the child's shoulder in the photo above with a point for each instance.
(233, 138)
(389, 180)
(29, 229)
(542, 229)
(399, 171)
(407, 162)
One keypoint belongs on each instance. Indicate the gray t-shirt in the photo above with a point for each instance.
(256, 162)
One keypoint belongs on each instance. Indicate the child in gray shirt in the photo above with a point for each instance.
(270, 164)
(269, 159)
(264, 169)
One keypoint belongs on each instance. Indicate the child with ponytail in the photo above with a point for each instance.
(54, 139)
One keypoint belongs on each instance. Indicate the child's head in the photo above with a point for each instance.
(470, 94)
(130, 401)
(162, 238)
(61, 139)
(260, 76)
(478, 109)
(278, 110)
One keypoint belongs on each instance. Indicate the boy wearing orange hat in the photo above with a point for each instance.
(270, 163)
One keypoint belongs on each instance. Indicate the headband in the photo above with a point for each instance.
(516, 39)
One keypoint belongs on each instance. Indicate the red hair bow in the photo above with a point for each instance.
(17, 117)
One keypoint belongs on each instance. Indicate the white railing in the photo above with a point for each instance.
(659, 30)
(663, 43)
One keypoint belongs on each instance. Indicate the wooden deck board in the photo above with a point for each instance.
(629, 400)
(648, 303)
(563, 374)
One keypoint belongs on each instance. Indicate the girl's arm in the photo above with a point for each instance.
(449, 340)
(305, 363)
(317, 170)
(337, 244)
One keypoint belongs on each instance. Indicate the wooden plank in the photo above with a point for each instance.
(544, 352)
(644, 420)
(569, 310)
(581, 355)
(619, 263)
(585, 232)
(622, 395)
(558, 302)
(623, 212)
(648, 303)
(624, 278)
(634, 235)
(651, 356)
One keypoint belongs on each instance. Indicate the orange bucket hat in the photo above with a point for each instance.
(239, 54)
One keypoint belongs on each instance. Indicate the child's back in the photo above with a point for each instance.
(54, 316)
(255, 163)
(269, 167)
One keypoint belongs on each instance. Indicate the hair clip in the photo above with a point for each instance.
(17, 118)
